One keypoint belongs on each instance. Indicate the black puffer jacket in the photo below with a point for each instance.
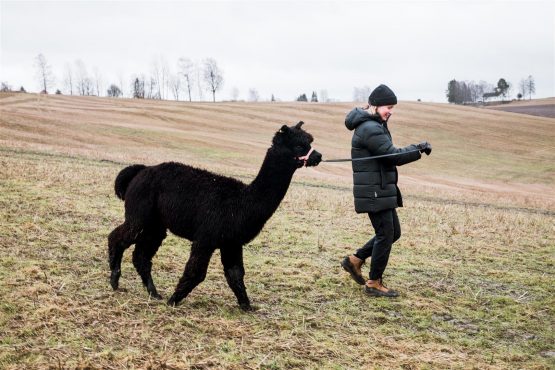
(375, 181)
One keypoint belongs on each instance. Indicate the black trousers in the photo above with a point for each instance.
(388, 231)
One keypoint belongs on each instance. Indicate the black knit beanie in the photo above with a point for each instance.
(382, 95)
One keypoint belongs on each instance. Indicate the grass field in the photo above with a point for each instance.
(475, 264)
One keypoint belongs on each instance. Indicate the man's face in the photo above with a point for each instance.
(385, 111)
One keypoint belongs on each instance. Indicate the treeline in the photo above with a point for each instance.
(189, 79)
(313, 99)
(470, 92)
(186, 80)
(162, 81)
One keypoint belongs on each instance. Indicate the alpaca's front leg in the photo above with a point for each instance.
(232, 260)
(194, 274)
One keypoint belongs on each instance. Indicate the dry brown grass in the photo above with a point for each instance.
(474, 265)
(500, 153)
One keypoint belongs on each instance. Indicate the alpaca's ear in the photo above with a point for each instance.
(279, 137)
(284, 129)
(298, 125)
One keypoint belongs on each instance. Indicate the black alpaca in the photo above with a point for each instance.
(212, 211)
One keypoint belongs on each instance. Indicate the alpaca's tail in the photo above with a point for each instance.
(124, 178)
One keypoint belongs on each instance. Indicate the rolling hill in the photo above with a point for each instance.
(474, 150)
(474, 265)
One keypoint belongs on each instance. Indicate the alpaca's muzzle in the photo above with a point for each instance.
(306, 157)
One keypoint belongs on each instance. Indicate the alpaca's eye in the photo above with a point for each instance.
(298, 147)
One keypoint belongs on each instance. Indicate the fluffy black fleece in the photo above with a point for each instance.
(211, 210)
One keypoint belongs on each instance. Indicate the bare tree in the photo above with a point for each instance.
(477, 91)
(155, 80)
(212, 76)
(88, 87)
(121, 80)
(165, 77)
(160, 74)
(473, 91)
(97, 78)
(68, 78)
(44, 73)
(361, 94)
(530, 86)
(253, 95)
(175, 85)
(186, 69)
(152, 91)
(199, 85)
(523, 87)
(82, 80)
(486, 89)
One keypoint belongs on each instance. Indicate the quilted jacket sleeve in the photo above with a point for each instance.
(379, 143)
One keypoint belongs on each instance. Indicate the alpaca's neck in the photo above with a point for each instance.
(271, 184)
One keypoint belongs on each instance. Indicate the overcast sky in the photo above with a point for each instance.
(288, 48)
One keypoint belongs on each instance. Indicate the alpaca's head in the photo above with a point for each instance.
(296, 142)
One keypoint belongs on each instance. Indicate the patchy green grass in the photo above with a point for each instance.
(476, 284)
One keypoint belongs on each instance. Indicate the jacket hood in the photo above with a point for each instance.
(358, 116)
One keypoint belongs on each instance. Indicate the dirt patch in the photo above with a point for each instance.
(546, 110)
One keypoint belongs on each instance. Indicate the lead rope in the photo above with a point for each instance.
(369, 158)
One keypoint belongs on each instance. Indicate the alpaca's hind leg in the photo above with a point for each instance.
(118, 241)
(232, 259)
(146, 247)
(194, 274)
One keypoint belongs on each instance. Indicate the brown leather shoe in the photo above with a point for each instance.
(375, 288)
(352, 265)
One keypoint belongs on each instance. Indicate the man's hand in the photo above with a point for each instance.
(425, 147)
